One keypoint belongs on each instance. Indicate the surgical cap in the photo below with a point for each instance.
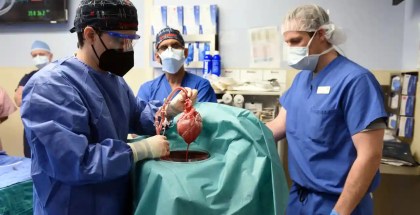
(105, 15)
(40, 45)
(169, 33)
(307, 18)
(311, 18)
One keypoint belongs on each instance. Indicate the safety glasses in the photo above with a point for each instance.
(126, 40)
(176, 46)
(123, 36)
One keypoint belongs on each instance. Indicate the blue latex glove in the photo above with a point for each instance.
(333, 212)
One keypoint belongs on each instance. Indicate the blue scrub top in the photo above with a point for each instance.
(77, 121)
(322, 115)
(159, 88)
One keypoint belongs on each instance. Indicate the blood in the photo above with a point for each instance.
(193, 156)
(186, 153)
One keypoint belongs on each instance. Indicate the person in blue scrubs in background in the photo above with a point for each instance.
(170, 52)
(41, 56)
(78, 111)
(333, 116)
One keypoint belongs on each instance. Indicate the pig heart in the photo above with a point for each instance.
(189, 124)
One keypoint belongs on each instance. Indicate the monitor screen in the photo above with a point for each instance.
(33, 11)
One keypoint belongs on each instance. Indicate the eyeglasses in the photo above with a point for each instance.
(123, 36)
(173, 46)
(127, 40)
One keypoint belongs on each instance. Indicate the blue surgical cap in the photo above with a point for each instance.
(40, 45)
(169, 33)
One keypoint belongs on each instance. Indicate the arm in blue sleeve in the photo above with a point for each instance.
(283, 100)
(286, 97)
(144, 92)
(143, 115)
(363, 103)
(58, 127)
(206, 92)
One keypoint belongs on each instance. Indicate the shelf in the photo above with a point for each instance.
(194, 64)
(199, 38)
(207, 38)
(399, 170)
(256, 93)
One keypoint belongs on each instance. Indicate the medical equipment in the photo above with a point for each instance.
(227, 98)
(238, 101)
(5, 6)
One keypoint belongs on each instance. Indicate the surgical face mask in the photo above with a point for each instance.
(40, 61)
(172, 60)
(115, 61)
(299, 58)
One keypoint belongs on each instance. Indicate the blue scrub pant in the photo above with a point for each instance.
(306, 202)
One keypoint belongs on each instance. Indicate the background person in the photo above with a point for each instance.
(171, 53)
(41, 56)
(333, 116)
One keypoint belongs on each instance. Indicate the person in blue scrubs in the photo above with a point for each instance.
(41, 56)
(78, 111)
(170, 52)
(333, 117)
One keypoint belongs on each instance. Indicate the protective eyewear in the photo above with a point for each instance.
(173, 46)
(127, 40)
(123, 36)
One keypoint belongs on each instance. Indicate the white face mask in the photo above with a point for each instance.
(172, 60)
(40, 61)
(299, 58)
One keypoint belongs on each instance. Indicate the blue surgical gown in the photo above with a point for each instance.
(323, 112)
(159, 88)
(77, 121)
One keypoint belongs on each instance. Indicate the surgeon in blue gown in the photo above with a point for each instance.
(333, 116)
(170, 52)
(77, 114)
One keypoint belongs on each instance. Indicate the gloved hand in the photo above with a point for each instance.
(152, 147)
(177, 104)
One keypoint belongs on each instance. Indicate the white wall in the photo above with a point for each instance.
(375, 31)
(374, 28)
(411, 35)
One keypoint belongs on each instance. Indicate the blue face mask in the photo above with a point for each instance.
(172, 60)
(299, 58)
